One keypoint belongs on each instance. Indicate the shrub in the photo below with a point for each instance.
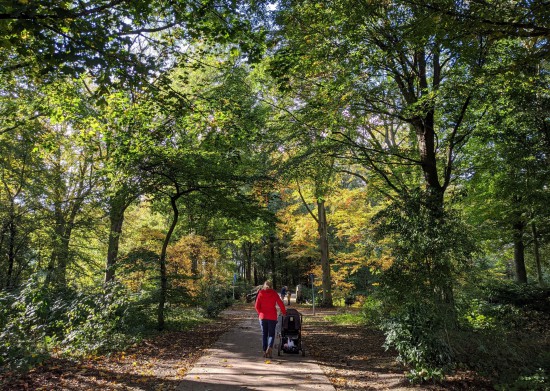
(419, 334)
(214, 298)
(372, 311)
(35, 319)
(96, 322)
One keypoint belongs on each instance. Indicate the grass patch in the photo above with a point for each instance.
(181, 318)
(347, 319)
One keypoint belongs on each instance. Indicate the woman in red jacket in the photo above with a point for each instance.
(267, 313)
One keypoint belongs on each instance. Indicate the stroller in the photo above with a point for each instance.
(290, 337)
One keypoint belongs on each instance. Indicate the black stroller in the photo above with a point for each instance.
(290, 337)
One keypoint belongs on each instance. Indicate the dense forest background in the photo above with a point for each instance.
(161, 158)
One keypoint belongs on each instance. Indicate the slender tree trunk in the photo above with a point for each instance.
(3, 282)
(247, 250)
(11, 252)
(325, 261)
(162, 264)
(536, 250)
(272, 261)
(519, 251)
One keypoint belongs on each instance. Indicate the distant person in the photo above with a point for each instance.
(283, 292)
(266, 303)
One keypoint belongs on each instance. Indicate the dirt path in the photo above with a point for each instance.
(235, 362)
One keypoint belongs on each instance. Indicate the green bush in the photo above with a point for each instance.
(36, 319)
(372, 311)
(28, 324)
(214, 298)
(528, 296)
(419, 334)
(97, 322)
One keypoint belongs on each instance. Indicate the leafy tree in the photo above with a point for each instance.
(114, 41)
(510, 151)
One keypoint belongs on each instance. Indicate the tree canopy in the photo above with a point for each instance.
(162, 156)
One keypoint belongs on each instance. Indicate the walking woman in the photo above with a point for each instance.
(267, 313)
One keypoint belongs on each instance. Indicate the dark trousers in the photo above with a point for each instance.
(268, 333)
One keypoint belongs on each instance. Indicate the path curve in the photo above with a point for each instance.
(235, 362)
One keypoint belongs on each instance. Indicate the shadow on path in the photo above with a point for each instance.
(235, 362)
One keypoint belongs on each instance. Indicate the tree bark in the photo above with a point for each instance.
(519, 251)
(536, 250)
(247, 250)
(11, 252)
(118, 205)
(272, 261)
(325, 261)
(116, 217)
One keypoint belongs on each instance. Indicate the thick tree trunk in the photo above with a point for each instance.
(434, 201)
(162, 264)
(325, 261)
(57, 267)
(118, 205)
(116, 217)
(519, 252)
(536, 250)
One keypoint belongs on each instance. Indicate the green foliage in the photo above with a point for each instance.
(307, 294)
(429, 249)
(538, 381)
(96, 322)
(520, 295)
(372, 311)
(37, 319)
(215, 297)
(475, 317)
(180, 318)
(418, 331)
(502, 334)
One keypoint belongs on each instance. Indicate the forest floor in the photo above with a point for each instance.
(351, 356)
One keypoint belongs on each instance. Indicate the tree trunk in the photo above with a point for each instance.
(272, 260)
(325, 261)
(536, 250)
(57, 266)
(247, 250)
(118, 205)
(11, 252)
(519, 252)
(162, 264)
(116, 217)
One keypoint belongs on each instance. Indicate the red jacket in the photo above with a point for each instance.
(265, 304)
